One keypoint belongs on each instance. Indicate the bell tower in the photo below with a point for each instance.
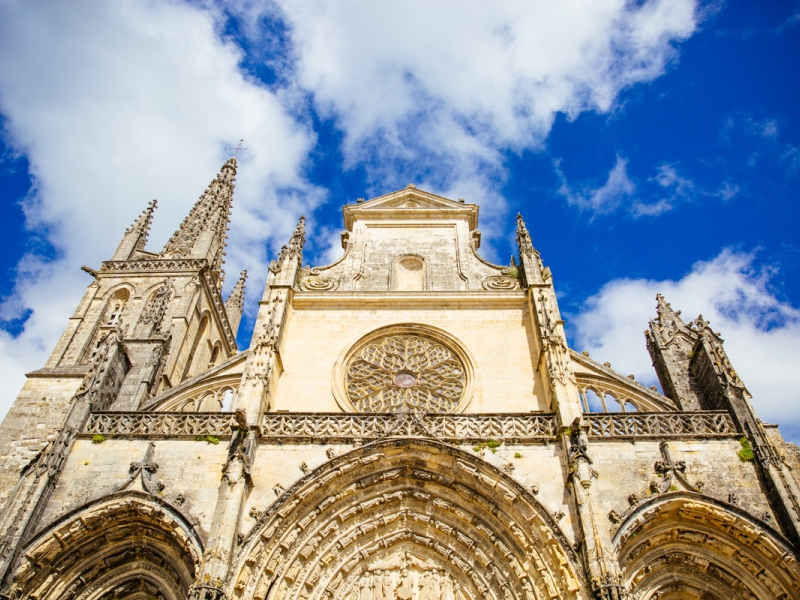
(147, 322)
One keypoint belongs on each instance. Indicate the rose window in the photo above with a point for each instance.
(405, 372)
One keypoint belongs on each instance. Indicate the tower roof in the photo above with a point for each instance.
(203, 233)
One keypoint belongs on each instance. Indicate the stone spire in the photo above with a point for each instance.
(671, 343)
(204, 232)
(530, 262)
(235, 303)
(284, 269)
(135, 236)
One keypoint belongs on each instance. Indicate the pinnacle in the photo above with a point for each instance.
(237, 294)
(203, 233)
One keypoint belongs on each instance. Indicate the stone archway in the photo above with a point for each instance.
(129, 546)
(415, 519)
(686, 546)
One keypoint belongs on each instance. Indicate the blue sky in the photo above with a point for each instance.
(651, 146)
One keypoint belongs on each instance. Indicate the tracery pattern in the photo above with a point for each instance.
(405, 372)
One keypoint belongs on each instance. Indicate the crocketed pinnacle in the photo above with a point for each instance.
(234, 305)
(298, 238)
(203, 234)
(524, 238)
(135, 237)
(666, 316)
(141, 227)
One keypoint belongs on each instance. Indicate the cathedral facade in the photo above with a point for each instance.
(408, 423)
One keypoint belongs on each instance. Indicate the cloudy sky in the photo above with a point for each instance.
(652, 146)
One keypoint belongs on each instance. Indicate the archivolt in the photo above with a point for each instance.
(404, 502)
(131, 544)
(686, 546)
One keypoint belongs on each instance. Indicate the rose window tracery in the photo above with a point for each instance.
(405, 372)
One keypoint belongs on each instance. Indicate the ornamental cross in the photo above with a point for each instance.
(239, 147)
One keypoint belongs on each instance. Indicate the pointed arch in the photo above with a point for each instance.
(414, 504)
(109, 316)
(131, 544)
(685, 545)
(192, 360)
(154, 308)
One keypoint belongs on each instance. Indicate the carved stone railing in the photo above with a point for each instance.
(153, 424)
(155, 265)
(661, 425)
(350, 427)
(362, 427)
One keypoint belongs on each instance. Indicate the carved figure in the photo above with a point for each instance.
(365, 586)
(405, 589)
(448, 593)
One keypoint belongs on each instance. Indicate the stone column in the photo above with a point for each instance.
(215, 566)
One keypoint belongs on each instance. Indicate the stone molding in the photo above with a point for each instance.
(661, 425)
(473, 299)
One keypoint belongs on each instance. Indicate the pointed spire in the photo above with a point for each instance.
(529, 259)
(135, 236)
(298, 238)
(234, 305)
(203, 234)
(287, 265)
(669, 321)
(524, 238)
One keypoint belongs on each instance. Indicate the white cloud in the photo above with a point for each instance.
(114, 104)
(603, 199)
(761, 332)
(446, 87)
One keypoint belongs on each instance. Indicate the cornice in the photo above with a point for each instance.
(419, 300)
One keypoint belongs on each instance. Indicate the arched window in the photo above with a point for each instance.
(214, 356)
(409, 274)
(227, 400)
(201, 330)
(115, 307)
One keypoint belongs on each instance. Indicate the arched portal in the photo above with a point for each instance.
(686, 546)
(127, 547)
(416, 517)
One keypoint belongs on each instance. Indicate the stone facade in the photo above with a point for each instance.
(408, 423)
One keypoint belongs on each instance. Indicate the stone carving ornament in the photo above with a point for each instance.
(405, 373)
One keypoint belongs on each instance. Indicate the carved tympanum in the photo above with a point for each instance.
(405, 372)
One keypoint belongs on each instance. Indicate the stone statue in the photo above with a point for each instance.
(405, 589)
(447, 588)
(387, 583)
(377, 585)
(428, 586)
(365, 587)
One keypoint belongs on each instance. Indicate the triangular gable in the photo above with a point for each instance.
(226, 373)
(602, 379)
(410, 197)
(410, 203)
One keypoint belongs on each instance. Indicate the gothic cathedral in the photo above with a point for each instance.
(408, 423)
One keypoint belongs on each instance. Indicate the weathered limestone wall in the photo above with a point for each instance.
(500, 341)
(190, 470)
(626, 468)
(32, 422)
